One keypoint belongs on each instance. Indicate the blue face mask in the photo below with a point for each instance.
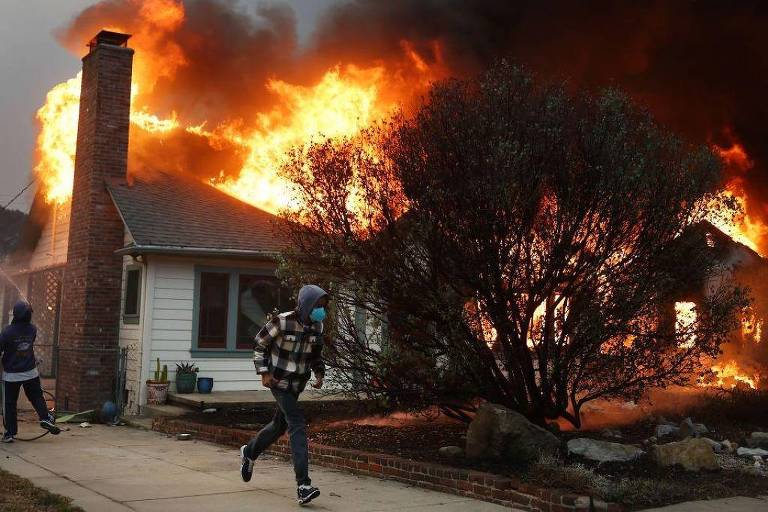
(317, 315)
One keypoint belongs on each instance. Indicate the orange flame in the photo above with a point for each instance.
(57, 139)
(345, 100)
(730, 375)
(340, 105)
(742, 227)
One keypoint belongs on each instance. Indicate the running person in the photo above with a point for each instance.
(285, 351)
(17, 345)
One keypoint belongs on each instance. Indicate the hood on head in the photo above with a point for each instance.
(309, 296)
(22, 312)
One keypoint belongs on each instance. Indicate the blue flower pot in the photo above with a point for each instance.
(204, 384)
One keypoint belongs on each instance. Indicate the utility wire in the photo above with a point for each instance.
(9, 203)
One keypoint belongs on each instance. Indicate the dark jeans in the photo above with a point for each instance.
(34, 394)
(288, 417)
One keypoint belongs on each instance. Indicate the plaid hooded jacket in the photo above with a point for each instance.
(290, 345)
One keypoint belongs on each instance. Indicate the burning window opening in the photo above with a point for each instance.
(685, 322)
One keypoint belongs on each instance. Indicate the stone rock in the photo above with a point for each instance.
(728, 447)
(758, 440)
(692, 454)
(751, 452)
(690, 429)
(498, 433)
(665, 429)
(451, 451)
(603, 451)
(612, 434)
(716, 446)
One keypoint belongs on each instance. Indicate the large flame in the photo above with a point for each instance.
(341, 104)
(343, 101)
(57, 139)
(742, 227)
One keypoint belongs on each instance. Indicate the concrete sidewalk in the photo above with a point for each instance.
(106, 469)
(738, 504)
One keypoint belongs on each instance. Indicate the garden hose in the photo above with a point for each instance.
(45, 433)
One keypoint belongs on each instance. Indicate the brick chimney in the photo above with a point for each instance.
(90, 311)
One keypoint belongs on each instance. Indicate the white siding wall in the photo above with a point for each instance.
(51, 249)
(171, 283)
(130, 338)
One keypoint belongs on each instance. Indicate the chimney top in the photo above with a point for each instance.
(109, 37)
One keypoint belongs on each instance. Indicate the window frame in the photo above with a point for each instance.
(132, 319)
(230, 348)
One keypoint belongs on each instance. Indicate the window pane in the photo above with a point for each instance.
(214, 302)
(132, 279)
(259, 296)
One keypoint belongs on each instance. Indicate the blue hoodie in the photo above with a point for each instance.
(18, 339)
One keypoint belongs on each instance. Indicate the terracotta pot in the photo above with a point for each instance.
(157, 392)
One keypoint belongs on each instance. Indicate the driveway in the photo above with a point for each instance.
(121, 468)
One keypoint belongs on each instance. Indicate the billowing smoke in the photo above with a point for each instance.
(699, 66)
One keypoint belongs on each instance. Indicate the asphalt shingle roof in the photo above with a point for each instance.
(178, 212)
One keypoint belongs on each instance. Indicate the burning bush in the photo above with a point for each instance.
(517, 242)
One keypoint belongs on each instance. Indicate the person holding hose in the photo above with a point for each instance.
(285, 351)
(17, 343)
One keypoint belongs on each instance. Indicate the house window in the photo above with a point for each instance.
(132, 294)
(213, 309)
(259, 297)
(231, 306)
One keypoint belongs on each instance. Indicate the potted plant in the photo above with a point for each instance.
(205, 385)
(186, 377)
(157, 388)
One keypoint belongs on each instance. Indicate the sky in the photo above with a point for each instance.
(32, 61)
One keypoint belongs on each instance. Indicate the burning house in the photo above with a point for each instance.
(133, 250)
(162, 266)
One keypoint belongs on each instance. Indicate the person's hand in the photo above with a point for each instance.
(318, 382)
(267, 380)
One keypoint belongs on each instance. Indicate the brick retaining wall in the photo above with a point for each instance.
(474, 484)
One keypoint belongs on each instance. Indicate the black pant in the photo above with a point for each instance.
(34, 394)
(288, 417)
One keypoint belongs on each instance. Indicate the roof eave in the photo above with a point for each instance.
(135, 250)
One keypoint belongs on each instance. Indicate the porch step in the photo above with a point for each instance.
(224, 399)
(168, 410)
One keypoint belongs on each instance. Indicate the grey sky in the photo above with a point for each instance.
(31, 62)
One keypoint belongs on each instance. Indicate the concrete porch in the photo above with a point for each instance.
(224, 399)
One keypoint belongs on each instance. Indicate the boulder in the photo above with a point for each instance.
(665, 430)
(728, 447)
(716, 446)
(751, 452)
(498, 433)
(451, 451)
(690, 429)
(603, 451)
(692, 454)
(612, 434)
(758, 440)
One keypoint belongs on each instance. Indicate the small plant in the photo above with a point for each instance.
(157, 388)
(160, 375)
(185, 367)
